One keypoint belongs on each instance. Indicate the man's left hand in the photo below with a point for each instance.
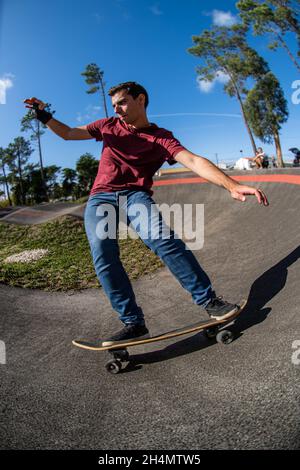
(240, 192)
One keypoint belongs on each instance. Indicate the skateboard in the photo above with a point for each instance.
(118, 350)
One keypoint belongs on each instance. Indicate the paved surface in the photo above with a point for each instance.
(41, 213)
(48, 211)
(188, 393)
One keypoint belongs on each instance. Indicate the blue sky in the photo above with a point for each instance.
(44, 47)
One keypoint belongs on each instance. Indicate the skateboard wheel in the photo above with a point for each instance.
(113, 366)
(211, 332)
(224, 337)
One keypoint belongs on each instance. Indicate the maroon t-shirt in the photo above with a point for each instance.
(130, 157)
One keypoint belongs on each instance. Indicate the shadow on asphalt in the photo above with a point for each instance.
(262, 291)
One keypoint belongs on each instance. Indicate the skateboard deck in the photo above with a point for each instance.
(118, 349)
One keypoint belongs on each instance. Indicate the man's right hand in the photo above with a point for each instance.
(62, 130)
(30, 102)
(38, 106)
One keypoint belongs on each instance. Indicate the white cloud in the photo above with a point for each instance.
(155, 10)
(207, 86)
(5, 83)
(91, 112)
(223, 18)
(221, 77)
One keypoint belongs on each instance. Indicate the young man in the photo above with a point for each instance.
(133, 150)
(259, 158)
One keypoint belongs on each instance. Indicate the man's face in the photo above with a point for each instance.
(128, 108)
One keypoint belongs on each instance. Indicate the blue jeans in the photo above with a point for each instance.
(101, 233)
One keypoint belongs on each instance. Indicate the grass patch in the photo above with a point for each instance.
(68, 265)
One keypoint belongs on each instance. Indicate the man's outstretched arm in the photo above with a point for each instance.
(60, 129)
(213, 174)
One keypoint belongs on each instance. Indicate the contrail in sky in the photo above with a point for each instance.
(196, 114)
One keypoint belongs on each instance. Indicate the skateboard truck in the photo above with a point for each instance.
(114, 366)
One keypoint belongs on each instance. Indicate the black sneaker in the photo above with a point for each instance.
(219, 309)
(128, 333)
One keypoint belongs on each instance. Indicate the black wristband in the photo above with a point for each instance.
(43, 116)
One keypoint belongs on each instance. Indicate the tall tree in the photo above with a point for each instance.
(94, 77)
(275, 18)
(266, 109)
(51, 175)
(4, 160)
(29, 123)
(225, 50)
(34, 188)
(68, 183)
(86, 167)
(19, 152)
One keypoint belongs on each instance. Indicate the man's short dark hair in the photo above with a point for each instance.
(132, 88)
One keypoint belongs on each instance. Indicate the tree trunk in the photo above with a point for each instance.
(6, 185)
(284, 44)
(247, 125)
(21, 180)
(103, 96)
(280, 162)
(41, 163)
(243, 112)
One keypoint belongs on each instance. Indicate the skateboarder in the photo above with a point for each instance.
(133, 150)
